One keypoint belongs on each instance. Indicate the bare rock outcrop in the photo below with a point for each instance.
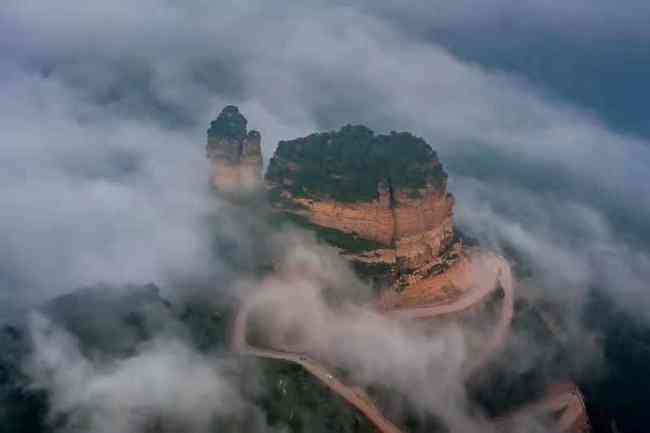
(235, 153)
(388, 189)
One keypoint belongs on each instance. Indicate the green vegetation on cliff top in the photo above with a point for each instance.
(230, 123)
(349, 165)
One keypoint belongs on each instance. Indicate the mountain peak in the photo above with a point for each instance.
(230, 123)
(235, 152)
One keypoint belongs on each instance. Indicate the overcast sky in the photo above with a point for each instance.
(535, 108)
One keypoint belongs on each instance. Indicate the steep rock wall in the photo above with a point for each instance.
(388, 189)
(235, 153)
(417, 229)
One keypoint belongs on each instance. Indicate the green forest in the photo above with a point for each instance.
(349, 165)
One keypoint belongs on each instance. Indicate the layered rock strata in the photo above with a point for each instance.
(394, 193)
(235, 153)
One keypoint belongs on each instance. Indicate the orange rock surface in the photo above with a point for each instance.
(233, 177)
(431, 289)
(235, 153)
(370, 220)
(418, 229)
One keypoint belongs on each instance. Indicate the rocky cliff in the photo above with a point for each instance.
(383, 201)
(235, 153)
(389, 189)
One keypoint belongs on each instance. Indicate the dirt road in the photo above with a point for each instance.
(354, 396)
(501, 277)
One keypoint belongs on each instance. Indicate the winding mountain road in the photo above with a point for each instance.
(355, 396)
(501, 277)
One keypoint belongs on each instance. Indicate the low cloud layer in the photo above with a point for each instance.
(102, 169)
(418, 370)
(91, 197)
(165, 386)
(103, 177)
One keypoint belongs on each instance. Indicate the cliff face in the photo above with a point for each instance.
(390, 189)
(235, 153)
(418, 229)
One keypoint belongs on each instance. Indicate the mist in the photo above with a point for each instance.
(103, 177)
(107, 130)
(165, 385)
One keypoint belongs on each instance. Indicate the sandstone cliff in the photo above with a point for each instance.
(389, 189)
(235, 153)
